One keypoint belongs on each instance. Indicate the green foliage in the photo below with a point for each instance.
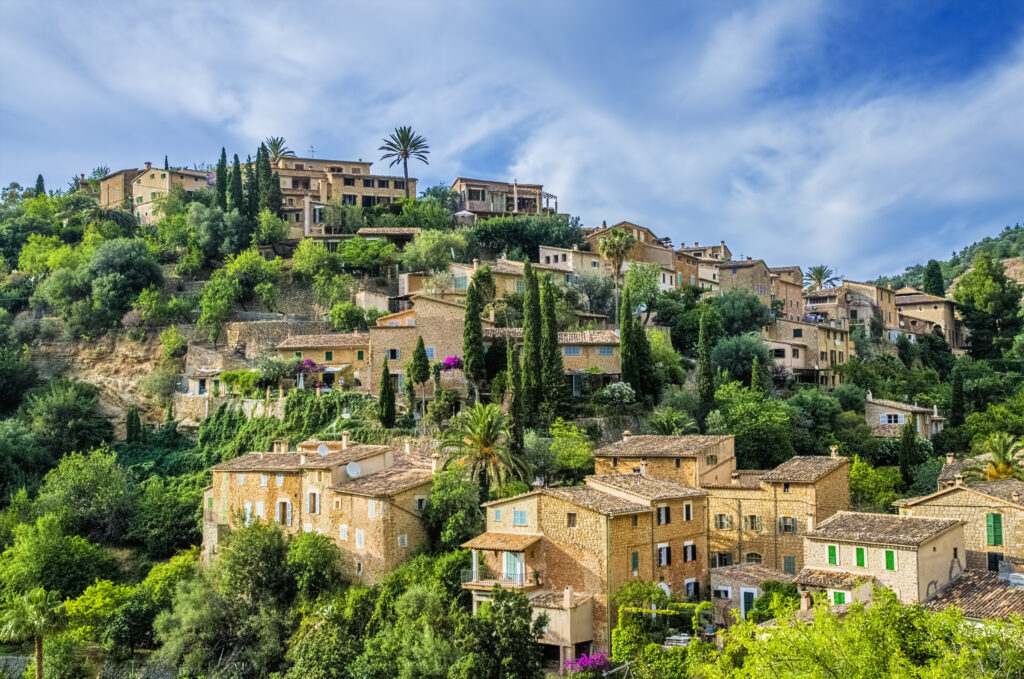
(762, 426)
(453, 514)
(533, 380)
(908, 451)
(366, 254)
(775, 596)
(89, 612)
(873, 488)
(670, 421)
(990, 305)
(386, 398)
(62, 416)
(526, 233)
(432, 250)
(167, 515)
(476, 443)
(932, 282)
(501, 640)
(572, 453)
(735, 355)
(741, 312)
(553, 371)
(222, 180)
(315, 563)
(270, 229)
(705, 374)
(17, 374)
(173, 344)
(473, 338)
(236, 196)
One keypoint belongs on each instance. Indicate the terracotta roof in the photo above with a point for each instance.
(784, 268)
(353, 339)
(130, 169)
(660, 446)
(579, 337)
(999, 490)
(748, 478)
(593, 499)
(816, 577)
(502, 542)
(469, 180)
(740, 263)
(899, 405)
(512, 267)
(805, 468)
(386, 482)
(979, 594)
(555, 600)
(750, 572)
(293, 460)
(884, 529)
(387, 231)
(950, 471)
(918, 298)
(645, 486)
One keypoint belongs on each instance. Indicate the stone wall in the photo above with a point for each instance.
(190, 409)
(252, 338)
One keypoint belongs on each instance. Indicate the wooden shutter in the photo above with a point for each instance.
(860, 557)
(288, 513)
(668, 515)
(668, 556)
(881, 419)
(997, 529)
(890, 560)
(757, 522)
(833, 556)
(990, 529)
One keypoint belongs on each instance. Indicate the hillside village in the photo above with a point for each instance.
(297, 417)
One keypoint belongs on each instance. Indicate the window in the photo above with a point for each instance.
(359, 567)
(890, 560)
(298, 354)
(313, 503)
(263, 480)
(259, 509)
(692, 588)
(839, 598)
(752, 522)
(778, 353)
(687, 512)
(753, 557)
(420, 503)
(461, 282)
(520, 286)
(994, 529)
(348, 181)
(279, 479)
(664, 555)
(711, 460)
(328, 355)
(723, 522)
(785, 487)
(798, 332)
(860, 557)
(518, 517)
(394, 354)
(891, 418)
(570, 519)
(615, 462)
(634, 561)
(367, 183)
(430, 352)
(248, 513)
(679, 463)
(789, 565)
(594, 264)
(787, 524)
(152, 176)
(241, 479)
(383, 184)
(400, 184)
(359, 355)
(371, 508)
(403, 540)
(635, 521)
(606, 351)
(497, 515)
(664, 515)
(572, 351)
(833, 555)
(689, 552)
(348, 198)
(476, 194)
(337, 503)
(796, 353)
(719, 559)
(722, 593)
(359, 538)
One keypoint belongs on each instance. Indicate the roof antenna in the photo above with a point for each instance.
(312, 151)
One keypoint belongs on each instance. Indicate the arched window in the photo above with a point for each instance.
(753, 557)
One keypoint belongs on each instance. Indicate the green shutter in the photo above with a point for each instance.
(328, 355)
(839, 597)
(832, 556)
(359, 355)
(860, 557)
(890, 560)
(994, 527)
(635, 561)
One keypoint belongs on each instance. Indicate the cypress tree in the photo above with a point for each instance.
(517, 426)
(956, 402)
(932, 281)
(419, 370)
(553, 371)
(274, 196)
(755, 374)
(908, 452)
(386, 398)
(264, 175)
(473, 339)
(252, 189)
(627, 344)
(435, 371)
(705, 376)
(132, 425)
(222, 180)
(167, 165)
(40, 186)
(647, 378)
(236, 199)
(532, 363)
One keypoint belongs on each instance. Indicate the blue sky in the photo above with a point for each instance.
(867, 136)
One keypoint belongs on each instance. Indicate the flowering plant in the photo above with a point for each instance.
(451, 363)
(593, 663)
(307, 365)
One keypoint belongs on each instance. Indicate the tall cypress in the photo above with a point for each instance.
(222, 180)
(236, 199)
(419, 371)
(517, 426)
(386, 398)
(252, 189)
(473, 339)
(932, 280)
(132, 425)
(705, 377)
(553, 371)
(167, 166)
(627, 343)
(908, 452)
(533, 382)
(957, 409)
(755, 373)
(264, 175)
(646, 377)
(40, 186)
(274, 196)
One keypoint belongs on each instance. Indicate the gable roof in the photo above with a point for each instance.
(386, 482)
(883, 529)
(805, 468)
(595, 500)
(979, 594)
(292, 461)
(899, 405)
(753, 573)
(646, 487)
(577, 337)
(1002, 489)
(502, 542)
(689, 445)
(817, 577)
(326, 341)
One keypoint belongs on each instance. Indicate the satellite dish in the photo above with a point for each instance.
(322, 449)
(352, 469)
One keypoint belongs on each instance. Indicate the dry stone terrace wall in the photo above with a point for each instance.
(256, 337)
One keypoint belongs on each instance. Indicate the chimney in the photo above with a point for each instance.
(806, 602)
(569, 598)
(344, 439)
(810, 522)
(735, 478)
(435, 462)
(302, 458)
(950, 458)
(696, 244)
(626, 434)
(870, 398)
(476, 264)
(722, 242)
(149, 165)
(575, 247)
(749, 258)
(643, 468)
(833, 451)
(83, 176)
(261, 455)
(958, 480)
(408, 446)
(1015, 496)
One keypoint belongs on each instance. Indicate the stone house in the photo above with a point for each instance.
(749, 274)
(507, 274)
(649, 248)
(854, 303)
(591, 358)
(687, 269)
(691, 460)
(577, 545)
(820, 347)
(915, 557)
(336, 353)
(368, 499)
(151, 182)
(787, 287)
(992, 513)
(886, 417)
(708, 253)
(938, 311)
(115, 187)
(734, 589)
(573, 259)
(485, 198)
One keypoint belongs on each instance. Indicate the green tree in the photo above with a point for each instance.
(957, 409)
(277, 150)
(218, 295)
(453, 513)
(571, 448)
(476, 442)
(627, 344)
(473, 339)
(252, 187)
(40, 185)
(501, 640)
(533, 376)
(17, 374)
(908, 452)
(741, 312)
(62, 416)
(386, 398)
(315, 562)
(932, 280)
(222, 180)
(990, 305)
(236, 196)
(615, 247)
(270, 229)
(34, 615)
(762, 426)
(264, 175)
(432, 250)
(705, 374)
(419, 371)
(1006, 458)
(22, 460)
(736, 355)
(775, 595)
(642, 281)
(167, 515)
(402, 145)
(516, 408)
(553, 371)
(669, 421)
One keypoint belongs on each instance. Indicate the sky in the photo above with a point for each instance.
(867, 136)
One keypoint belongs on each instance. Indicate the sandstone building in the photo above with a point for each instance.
(484, 198)
(152, 182)
(886, 417)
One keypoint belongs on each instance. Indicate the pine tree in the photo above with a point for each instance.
(40, 186)
(956, 403)
(236, 198)
(517, 426)
(386, 398)
(908, 452)
(264, 175)
(419, 371)
(553, 371)
(274, 196)
(705, 376)
(473, 339)
(932, 280)
(222, 180)
(132, 425)
(252, 189)
(533, 382)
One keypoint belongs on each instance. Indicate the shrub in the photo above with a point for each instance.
(173, 344)
(616, 394)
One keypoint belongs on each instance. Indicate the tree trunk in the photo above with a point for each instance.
(405, 169)
(39, 657)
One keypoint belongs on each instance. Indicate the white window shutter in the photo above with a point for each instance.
(288, 513)
(903, 419)
(881, 419)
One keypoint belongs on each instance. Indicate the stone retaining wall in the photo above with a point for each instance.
(197, 408)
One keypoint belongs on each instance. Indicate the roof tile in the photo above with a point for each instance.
(660, 446)
(805, 468)
(980, 594)
(886, 529)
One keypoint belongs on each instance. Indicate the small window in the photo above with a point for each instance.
(689, 552)
(796, 353)
(634, 561)
(394, 354)
(636, 521)
(328, 355)
(348, 181)
(664, 515)
(839, 598)
(833, 555)
(615, 462)
(861, 560)
(461, 282)
(497, 515)
(518, 517)
(359, 355)
(679, 463)
(570, 519)
(371, 508)
(572, 351)
(383, 184)
(263, 480)
(785, 487)
(664, 555)
(594, 264)
(420, 503)
(241, 479)
(752, 522)
(606, 351)
(359, 538)
(723, 522)
(994, 529)
(722, 593)
(337, 503)
(687, 512)
(400, 184)
(798, 332)
(430, 352)
(753, 557)
(367, 183)
(520, 286)
(279, 479)
(298, 354)
(787, 524)
(403, 540)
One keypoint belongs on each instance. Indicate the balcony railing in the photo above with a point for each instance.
(486, 578)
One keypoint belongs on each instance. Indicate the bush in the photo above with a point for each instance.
(616, 394)
(160, 386)
(173, 344)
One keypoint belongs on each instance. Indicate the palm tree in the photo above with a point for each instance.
(277, 149)
(1005, 451)
(33, 616)
(670, 421)
(476, 442)
(819, 277)
(402, 145)
(615, 248)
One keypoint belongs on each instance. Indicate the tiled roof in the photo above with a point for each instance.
(502, 542)
(816, 577)
(388, 231)
(950, 471)
(747, 478)
(386, 482)
(660, 446)
(556, 600)
(886, 529)
(910, 407)
(293, 460)
(645, 486)
(352, 339)
(918, 298)
(739, 264)
(1000, 490)
(580, 337)
(805, 468)
(753, 573)
(980, 594)
(590, 498)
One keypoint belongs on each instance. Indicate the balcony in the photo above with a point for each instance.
(485, 579)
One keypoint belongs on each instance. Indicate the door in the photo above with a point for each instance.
(514, 568)
(202, 387)
(747, 600)
(993, 560)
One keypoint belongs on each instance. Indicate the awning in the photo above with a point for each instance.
(335, 369)
(502, 542)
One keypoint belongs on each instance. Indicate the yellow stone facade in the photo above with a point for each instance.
(152, 182)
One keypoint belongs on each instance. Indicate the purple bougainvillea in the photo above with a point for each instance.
(307, 365)
(595, 662)
(451, 363)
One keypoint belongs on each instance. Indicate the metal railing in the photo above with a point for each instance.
(526, 577)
